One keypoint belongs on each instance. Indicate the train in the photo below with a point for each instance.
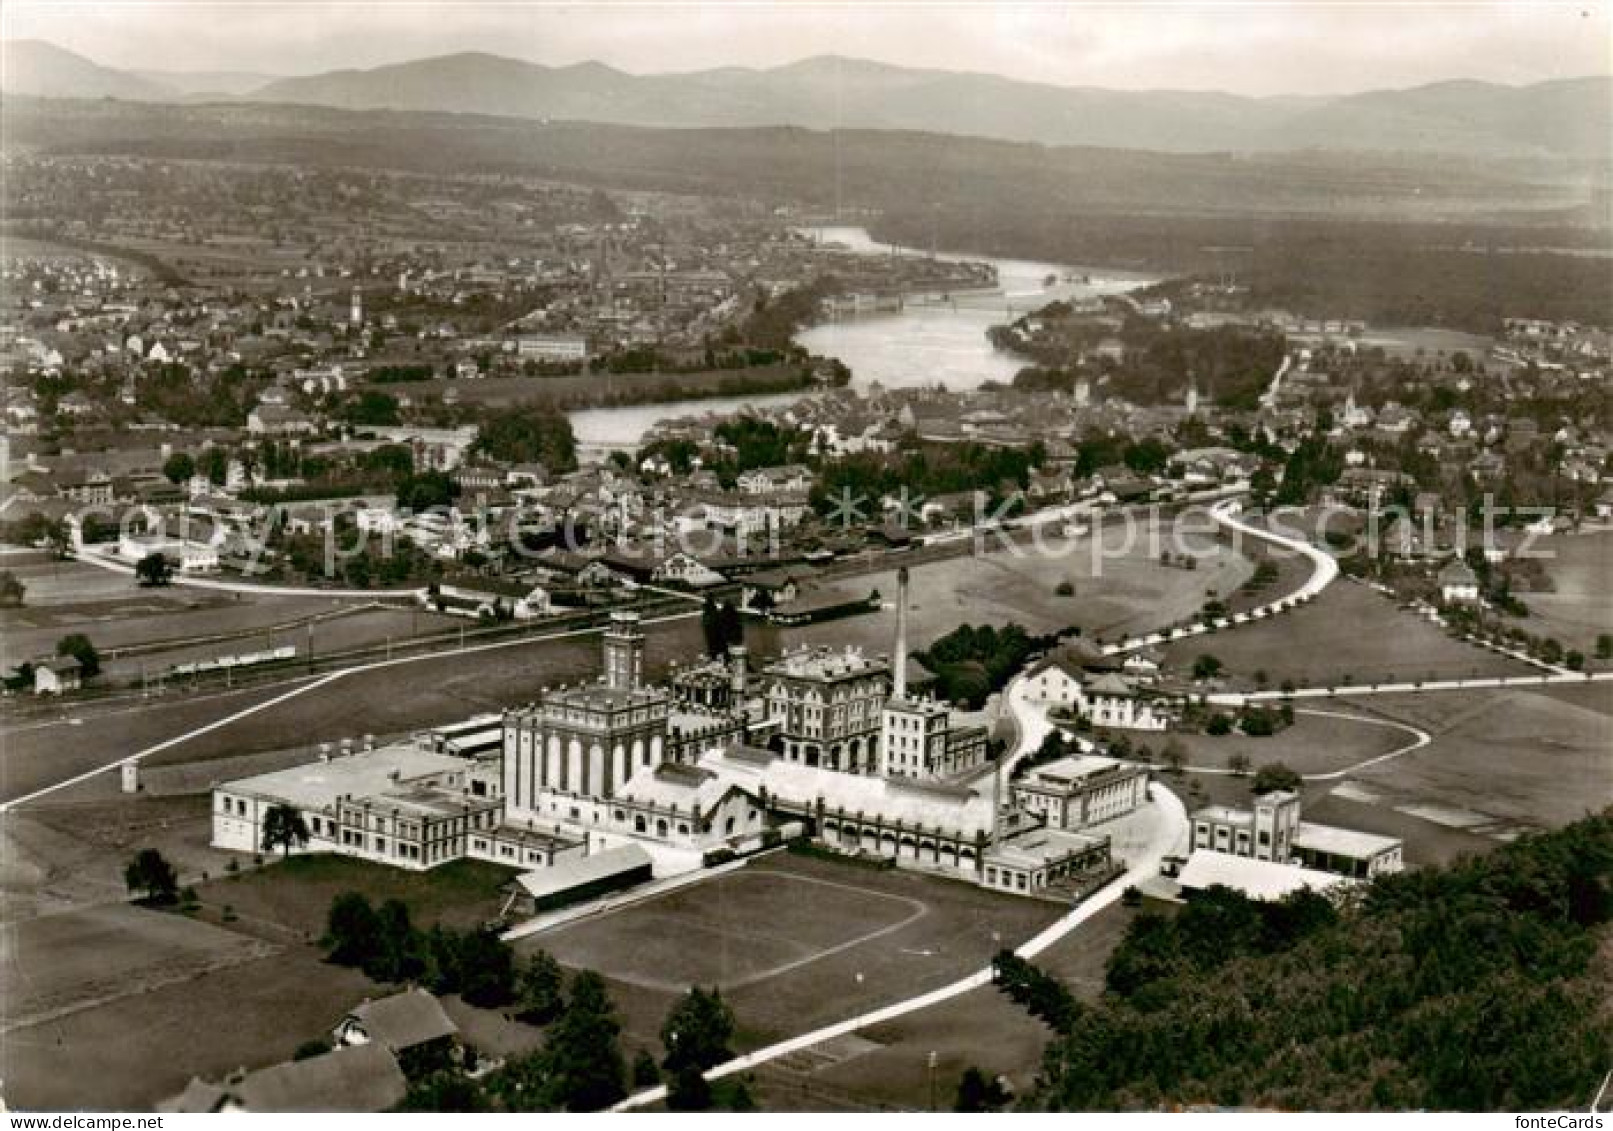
(244, 660)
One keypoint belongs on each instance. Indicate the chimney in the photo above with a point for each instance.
(736, 675)
(997, 802)
(899, 661)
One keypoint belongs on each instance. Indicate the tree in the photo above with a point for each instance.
(12, 591)
(978, 1092)
(721, 625)
(399, 951)
(688, 1090)
(1604, 646)
(78, 646)
(352, 931)
(178, 468)
(284, 828)
(697, 1031)
(150, 872)
(445, 1090)
(1218, 725)
(538, 989)
(215, 464)
(646, 1073)
(529, 433)
(1206, 667)
(1272, 777)
(154, 570)
(1238, 764)
(486, 969)
(582, 1055)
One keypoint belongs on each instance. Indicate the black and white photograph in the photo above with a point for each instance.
(796, 556)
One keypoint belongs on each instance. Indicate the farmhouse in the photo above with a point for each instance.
(361, 1078)
(58, 674)
(1084, 682)
(410, 1025)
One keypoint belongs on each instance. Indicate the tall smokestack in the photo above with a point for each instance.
(997, 802)
(899, 662)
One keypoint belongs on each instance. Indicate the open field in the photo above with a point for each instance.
(1348, 634)
(886, 1066)
(1501, 761)
(204, 994)
(1579, 608)
(164, 622)
(926, 931)
(1114, 596)
(296, 893)
(1315, 744)
(61, 963)
(49, 583)
(129, 1053)
(70, 851)
(386, 701)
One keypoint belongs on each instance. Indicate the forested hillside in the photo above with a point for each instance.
(1482, 986)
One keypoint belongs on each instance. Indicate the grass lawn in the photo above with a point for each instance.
(1518, 757)
(389, 701)
(850, 971)
(58, 963)
(730, 931)
(62, 854)
(129, 1053)
(1348, 634)
(888, 1064)
(296, 893)
(1118, 595)
(1578, 609)
(1314, 744)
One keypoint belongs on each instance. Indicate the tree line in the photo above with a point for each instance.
(1477, 987)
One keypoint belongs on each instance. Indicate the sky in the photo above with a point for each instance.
(1257, 47)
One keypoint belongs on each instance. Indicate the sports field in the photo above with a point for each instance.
(794, 942)
(733, 931)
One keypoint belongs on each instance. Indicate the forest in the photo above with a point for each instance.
(1480, 986)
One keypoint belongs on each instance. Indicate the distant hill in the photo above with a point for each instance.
(822, 170)
(1570, 118)
(43, 70)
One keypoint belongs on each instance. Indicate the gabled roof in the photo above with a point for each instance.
(404, 1020)
(359, 1078)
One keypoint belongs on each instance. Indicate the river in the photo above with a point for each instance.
(926, 343)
